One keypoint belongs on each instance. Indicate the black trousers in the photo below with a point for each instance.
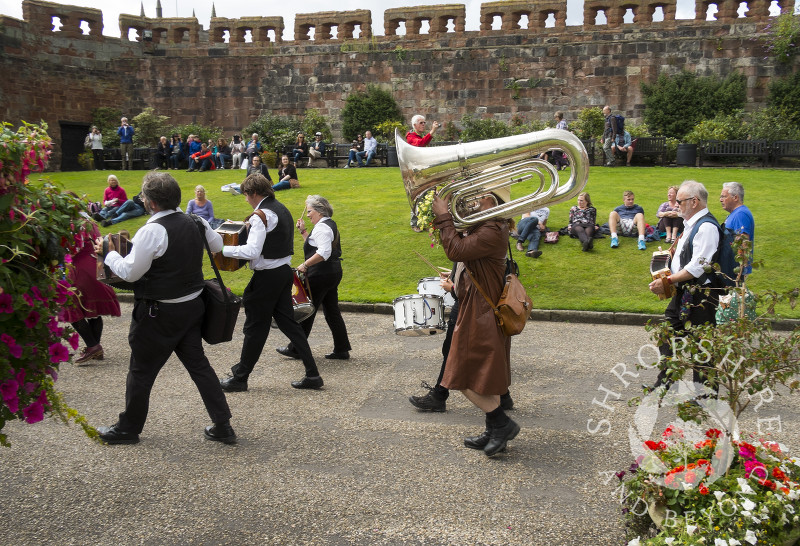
(442, 392)
(99, 163)
(269, 295)
(583, 232)
(702, 308)
(156, 332)
(325, 294)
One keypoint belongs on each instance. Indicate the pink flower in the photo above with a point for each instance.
(37, 293)
(42, 398)
(28, 299)
(33, 413)
(8, 391)
(58, 353)
(29, 387)
(5, 303)
(52, 325)
(32, 319)
(53, 373)
(73, 341)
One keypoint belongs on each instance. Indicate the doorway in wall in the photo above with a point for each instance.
(72, 137)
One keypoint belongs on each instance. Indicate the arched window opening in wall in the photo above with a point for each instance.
(743, 9)
(271, 35)
(356, 32)
(334, 32)
(85, 27)
(312, 33)
(425, 26)
(133, 35)
(401, 28)
(497, 22)
(248, 36)
(451, 25)
(550, 22)
(658, 14)
(161, 35)
(711, 12)
(628, 17)
(774, 9)
(57, 24)
(600, 19)
(523, 22)
(226, 36)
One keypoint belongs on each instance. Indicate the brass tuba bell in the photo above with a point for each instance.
(472, 169)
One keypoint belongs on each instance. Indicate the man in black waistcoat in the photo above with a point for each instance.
(269, 248)
(166, 267)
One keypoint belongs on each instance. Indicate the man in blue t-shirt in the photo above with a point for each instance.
(740, 219)
(629, 218)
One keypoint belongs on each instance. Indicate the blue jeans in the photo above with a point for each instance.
(528, 229)
(352, 157)
(360, 156)
(126, 211)
(297, 154)
(220, 159)
(285, 185)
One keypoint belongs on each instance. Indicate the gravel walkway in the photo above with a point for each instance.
(354, 463)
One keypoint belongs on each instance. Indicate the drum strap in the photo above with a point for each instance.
(260, 214)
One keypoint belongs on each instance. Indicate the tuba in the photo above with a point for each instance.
(469, 170)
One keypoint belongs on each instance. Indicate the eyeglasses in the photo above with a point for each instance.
(679, 201)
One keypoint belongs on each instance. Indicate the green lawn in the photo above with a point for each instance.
(372, 213)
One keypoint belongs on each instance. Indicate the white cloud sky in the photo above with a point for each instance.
(238, 8)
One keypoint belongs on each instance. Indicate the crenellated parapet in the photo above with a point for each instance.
(324, 23)
(440, 19)
(511, 15)
(643, 11)
(263, 30)
(165, 30)
(47, 17)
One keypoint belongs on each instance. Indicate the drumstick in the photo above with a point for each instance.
(424, 259)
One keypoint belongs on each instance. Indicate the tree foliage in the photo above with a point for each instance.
(589, 124)
(364, 111)
(783, 37)
(474, 129)
(675, 104)
(204, 132)
(107, 120)
(148, 128)
(314, 122)
(784, 95)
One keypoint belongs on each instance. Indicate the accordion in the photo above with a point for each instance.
(659, 269)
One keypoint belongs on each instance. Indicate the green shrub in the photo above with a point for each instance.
(273, 131)
(675, 104)
(637, 131)
(474, 129)
(450, 133)
(364, 111)
(202, 131)
(107, 120)
(773, 123)
(784, 94)
(783, 37)
(590, 123)
(722, 127)
(314, 122)
(149, 128)
(384, 132)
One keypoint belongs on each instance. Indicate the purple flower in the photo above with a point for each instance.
(32, 319)
(33, 413)
(73, 341)
(52, 325)
(28, 299)
(58, 353)
(8, 391)
(5, 303)
(37, 294)
(42, 398)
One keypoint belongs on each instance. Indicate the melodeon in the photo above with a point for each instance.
(233, 234)
(659, 269)
(104, 273)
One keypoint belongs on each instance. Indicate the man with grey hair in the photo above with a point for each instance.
(416, 138)
(739, 220)
(166, 267)
(609, 135)
(698, 244)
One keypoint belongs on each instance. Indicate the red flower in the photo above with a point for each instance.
(778, 474)
(702, 489)
(690, 476)
(655, 446)
(713, 433)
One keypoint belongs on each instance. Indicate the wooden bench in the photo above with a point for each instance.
(735, 148)
(784, 148)
(142, 158)
(649, 146)
(589, 144)
(341, 152)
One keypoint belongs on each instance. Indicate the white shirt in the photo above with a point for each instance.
(370, 144)
(322, 238)
(150, 243)
(255, 244)
(704, 245)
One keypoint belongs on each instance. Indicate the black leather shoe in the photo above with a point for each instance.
(477, 442)
(113, 435)
(286, 351)
(344, 355)
(429, 402)
(499, 437)
(506, 402)
(221, 432)
(308, 383)
(231, 384)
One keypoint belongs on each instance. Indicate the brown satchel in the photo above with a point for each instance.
(514, 306)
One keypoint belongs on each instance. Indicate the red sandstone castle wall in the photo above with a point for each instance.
(191, 75)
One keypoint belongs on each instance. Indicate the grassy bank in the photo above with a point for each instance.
(372, 213)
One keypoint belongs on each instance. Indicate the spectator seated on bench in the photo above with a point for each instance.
(623, 146)
(316, 150)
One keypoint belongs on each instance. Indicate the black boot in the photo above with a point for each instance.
(501, 430)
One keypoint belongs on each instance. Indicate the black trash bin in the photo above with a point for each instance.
(391, 157)
(687, 155)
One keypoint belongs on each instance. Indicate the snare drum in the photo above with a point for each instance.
(419, 315)
(233, 234)
(433, 286)
(303, 308)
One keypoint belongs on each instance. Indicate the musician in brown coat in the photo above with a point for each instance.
(479, 361)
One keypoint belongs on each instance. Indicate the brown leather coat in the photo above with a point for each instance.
(479, 357)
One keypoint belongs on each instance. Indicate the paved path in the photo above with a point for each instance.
(351, 464)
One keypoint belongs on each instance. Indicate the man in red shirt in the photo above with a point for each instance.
(415, 138)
